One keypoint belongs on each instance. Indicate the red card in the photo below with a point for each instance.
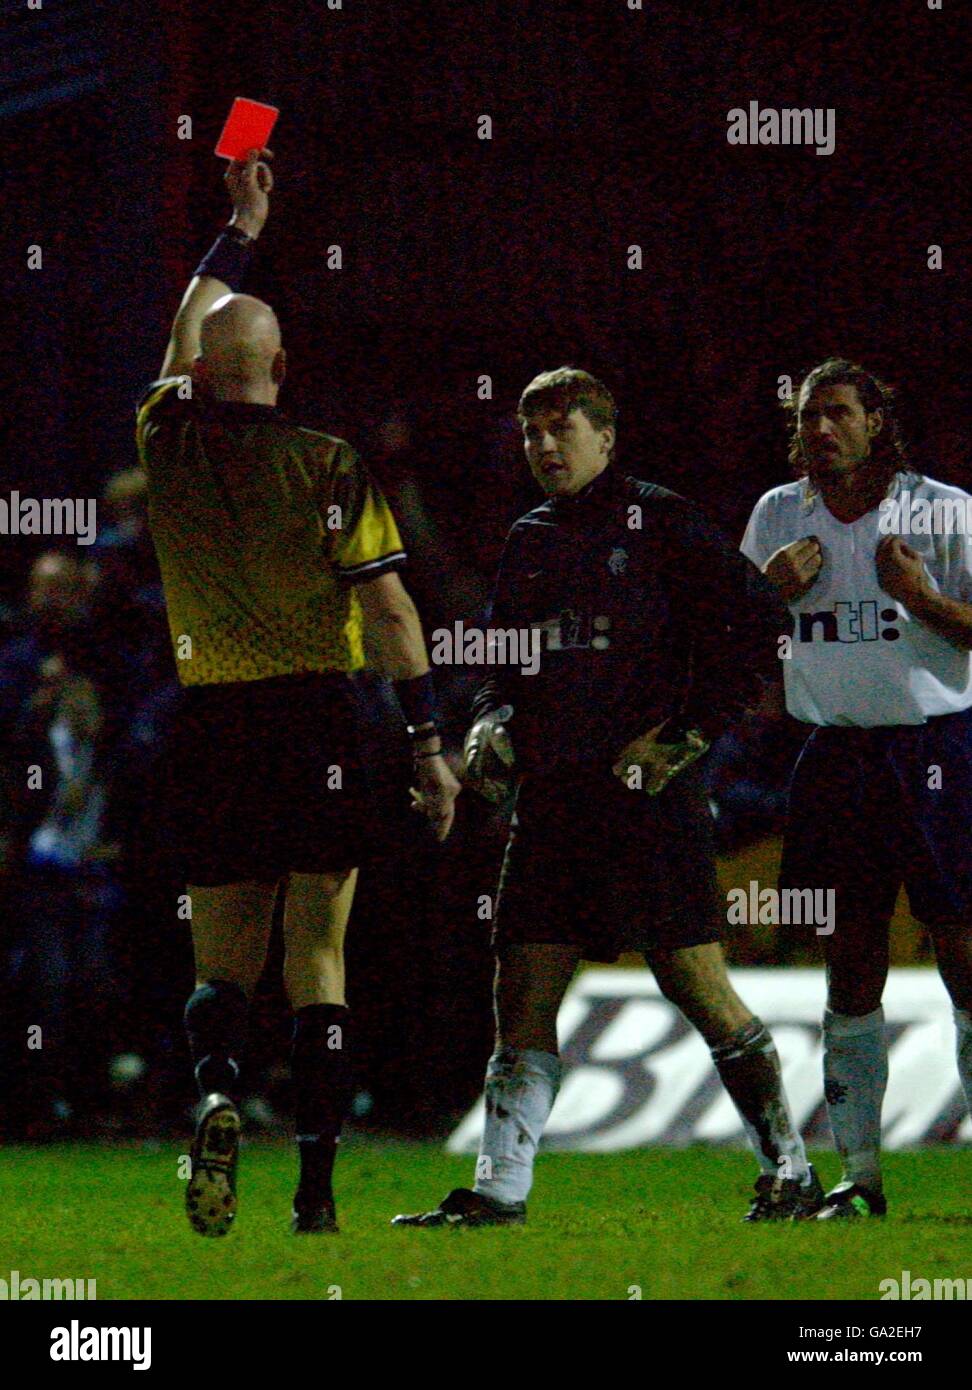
(247, 127)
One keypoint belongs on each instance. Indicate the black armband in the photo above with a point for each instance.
(228, 259)
(417, 699)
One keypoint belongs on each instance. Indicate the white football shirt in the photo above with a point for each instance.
(858, 656)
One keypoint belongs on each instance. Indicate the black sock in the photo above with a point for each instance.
(321, 1072)
(216, 1018)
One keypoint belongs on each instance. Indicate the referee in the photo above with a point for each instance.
(653, 633)
(279, 558)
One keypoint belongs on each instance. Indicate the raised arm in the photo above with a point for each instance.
(249, 182)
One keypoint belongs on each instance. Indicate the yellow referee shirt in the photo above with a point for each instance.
(261, 529)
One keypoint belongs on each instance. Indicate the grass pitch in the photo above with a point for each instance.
(665, 1221)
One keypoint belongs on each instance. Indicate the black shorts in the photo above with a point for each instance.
(593, 864)
(263, 778)
(872, 809)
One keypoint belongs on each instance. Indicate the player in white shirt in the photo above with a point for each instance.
(875, 563)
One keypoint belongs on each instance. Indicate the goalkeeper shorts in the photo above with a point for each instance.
(593, 864)
(263, 778)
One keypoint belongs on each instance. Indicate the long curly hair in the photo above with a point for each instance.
(889, 452)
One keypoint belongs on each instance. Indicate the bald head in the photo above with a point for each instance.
(240, 356)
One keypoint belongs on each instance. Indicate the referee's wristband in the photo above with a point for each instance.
(228, 259)
(428, 753)
(417, 699)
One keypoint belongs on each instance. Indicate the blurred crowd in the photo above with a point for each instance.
(87, 687)
(94, 962)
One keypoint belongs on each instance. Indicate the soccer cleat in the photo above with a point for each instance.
(849, 1202)
(465, 1208)
(313, 1219)
(785, 1199)
(211, 1190)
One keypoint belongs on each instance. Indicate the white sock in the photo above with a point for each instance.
(963, 1051)
(855, 1078)
(749, 1067)
(521, 1088)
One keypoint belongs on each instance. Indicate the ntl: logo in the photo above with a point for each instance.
(849, 622)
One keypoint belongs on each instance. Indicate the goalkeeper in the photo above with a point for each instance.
(653, 632)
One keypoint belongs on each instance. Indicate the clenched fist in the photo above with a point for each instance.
(250, 184)
(795, 568)
(901, 571)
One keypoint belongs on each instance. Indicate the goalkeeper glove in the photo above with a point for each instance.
(487, 756)
(662, 755)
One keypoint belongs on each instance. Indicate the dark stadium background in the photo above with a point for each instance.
(461, 258)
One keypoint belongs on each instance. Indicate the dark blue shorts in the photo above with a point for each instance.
(872, 809)
(592, 864)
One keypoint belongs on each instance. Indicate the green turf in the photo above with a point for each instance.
(666, 1221)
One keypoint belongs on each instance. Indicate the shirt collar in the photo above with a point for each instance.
(601, 491)
(236, 410)
(810, 496)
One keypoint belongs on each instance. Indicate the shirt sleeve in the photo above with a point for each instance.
(498, 686)
(755, 544)
(368, 543)
(156, 405)
(956, 581)
(736, 618)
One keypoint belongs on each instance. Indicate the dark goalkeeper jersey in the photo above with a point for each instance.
(637, 623)
(262, 529)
